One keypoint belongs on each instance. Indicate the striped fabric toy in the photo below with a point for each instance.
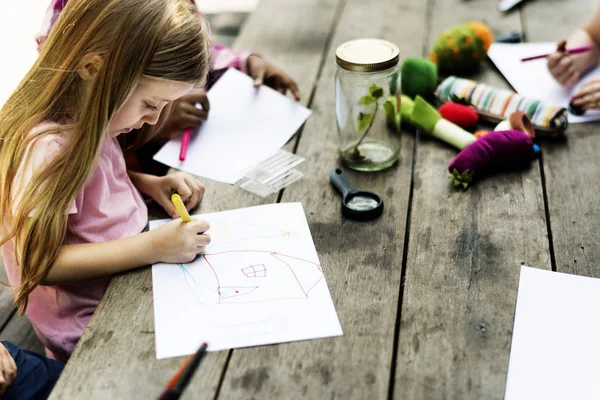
(497, 104)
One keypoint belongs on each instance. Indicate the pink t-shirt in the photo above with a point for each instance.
(109, 207)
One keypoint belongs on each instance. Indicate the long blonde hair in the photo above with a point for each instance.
(135, 39)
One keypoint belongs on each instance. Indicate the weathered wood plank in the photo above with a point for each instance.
(465, 251)
(361, 260)
(116, 353)
(571, 166)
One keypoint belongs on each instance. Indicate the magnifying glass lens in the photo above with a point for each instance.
(362, 203)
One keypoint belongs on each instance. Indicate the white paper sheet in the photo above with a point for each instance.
(244, 127)
(555, 351)
(220, 6)
(532, 78)
(258, 282)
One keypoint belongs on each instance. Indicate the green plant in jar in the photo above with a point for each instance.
(364, 120)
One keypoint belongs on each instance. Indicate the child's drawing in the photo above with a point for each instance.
(233, 277)
(258, 282)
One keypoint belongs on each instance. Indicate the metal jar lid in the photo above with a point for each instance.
(367, 55)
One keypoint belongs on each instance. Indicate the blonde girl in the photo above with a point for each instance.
(72, 215)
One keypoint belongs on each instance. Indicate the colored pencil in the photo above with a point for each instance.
(575, 50)
(182, 377)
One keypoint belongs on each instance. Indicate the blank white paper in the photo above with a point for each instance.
(555, 351)
(258, 282)
(225, 6)
(245, 126)
(532, 78)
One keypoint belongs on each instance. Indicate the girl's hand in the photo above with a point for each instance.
(266, 73)
(180, 242)
(560, 65)
(588, 97)
(184, 114)
(8, 369)
(159, 188)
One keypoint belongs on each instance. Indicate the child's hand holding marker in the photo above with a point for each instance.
(562, 67)
(180, 241)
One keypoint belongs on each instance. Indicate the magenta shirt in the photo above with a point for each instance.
(108, 208)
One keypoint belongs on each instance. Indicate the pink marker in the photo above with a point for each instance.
(185, 141)
(574, 50)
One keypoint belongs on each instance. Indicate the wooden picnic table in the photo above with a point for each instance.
(426, 294)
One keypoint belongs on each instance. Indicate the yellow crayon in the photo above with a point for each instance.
(180, 207)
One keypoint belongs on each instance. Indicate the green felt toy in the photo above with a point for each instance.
(418, 77)
(461, 48)
(426, 117)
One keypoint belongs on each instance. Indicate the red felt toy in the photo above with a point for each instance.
(459, 114)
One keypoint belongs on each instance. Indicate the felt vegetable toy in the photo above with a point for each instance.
(460, 49)
(394, 116)
(426, 117)
(498, 150)
(464, 116)
(418, 77)
(503, 126)
(517, 120)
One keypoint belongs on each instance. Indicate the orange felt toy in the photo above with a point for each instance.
(481, 133)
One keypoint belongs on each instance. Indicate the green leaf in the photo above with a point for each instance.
(364, 120)
(459, 179)
(376, 91)
(366, 100)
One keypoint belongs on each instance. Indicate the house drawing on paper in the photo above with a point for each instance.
(250, 276)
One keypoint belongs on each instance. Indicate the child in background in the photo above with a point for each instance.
(567, 69)
(72, 214)
(184, 112)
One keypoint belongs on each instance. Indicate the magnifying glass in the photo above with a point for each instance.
(356, 204)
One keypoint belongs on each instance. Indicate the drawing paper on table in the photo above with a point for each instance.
(532, 78)
(258, 282)
(555, 351)
(245, 126)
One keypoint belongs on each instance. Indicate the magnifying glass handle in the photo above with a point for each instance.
(340, 181)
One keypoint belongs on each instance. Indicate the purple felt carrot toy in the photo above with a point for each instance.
(498, 150)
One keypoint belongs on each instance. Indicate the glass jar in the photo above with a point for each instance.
(367, 96)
